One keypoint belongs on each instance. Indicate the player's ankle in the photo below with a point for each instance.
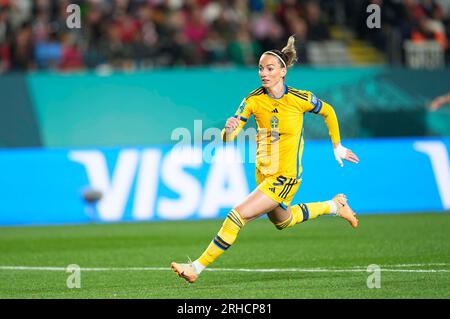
(198, 267)
(333, 207)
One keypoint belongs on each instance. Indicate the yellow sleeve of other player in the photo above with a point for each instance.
(320, 107)
(243, 113)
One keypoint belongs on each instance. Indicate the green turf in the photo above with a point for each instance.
(325, 242)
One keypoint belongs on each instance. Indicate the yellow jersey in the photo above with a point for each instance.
(280, 128)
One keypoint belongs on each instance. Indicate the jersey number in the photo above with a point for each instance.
(281, 180)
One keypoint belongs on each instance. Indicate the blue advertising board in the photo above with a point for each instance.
(45, 186)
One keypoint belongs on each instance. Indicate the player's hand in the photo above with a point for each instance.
(232, 123)
(343, 153)
(437, 103)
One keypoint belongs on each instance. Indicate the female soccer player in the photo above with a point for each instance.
(278, 111)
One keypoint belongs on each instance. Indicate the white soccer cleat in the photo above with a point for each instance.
(185, 271)
(344, 210)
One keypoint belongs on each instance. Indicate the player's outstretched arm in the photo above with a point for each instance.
(439, 101)
(340, 152)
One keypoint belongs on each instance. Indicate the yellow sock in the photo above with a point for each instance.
(314, 210)
(293, 219)
(303, 212)
(224, 238)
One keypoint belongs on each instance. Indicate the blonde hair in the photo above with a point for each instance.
(290, 52)
(287, 55)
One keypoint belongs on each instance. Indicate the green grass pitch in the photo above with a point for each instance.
(413, 251)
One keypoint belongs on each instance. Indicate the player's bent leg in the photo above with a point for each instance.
(284, 218)
(279, 215)
(255, 205)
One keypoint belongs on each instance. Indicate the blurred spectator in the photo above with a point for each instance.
(21, 55)
(195, 31)
(224, 27)
(19, 12)
(129, 34)
(298, 28)
(429, 25)
(175, 47)
(244, 50)
(118, 53)
(48, 53)
(317, 27)
(71, 57)
(215, 48)
(267, 31)
(5, 31)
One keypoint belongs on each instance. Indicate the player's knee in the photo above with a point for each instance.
(241, 216)
(283, 224)
(241, 211)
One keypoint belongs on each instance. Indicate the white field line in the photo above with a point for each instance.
(326, 270)
(385, 268)
(418, 265)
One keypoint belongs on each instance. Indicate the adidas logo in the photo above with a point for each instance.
(272, 189)
(275, 110)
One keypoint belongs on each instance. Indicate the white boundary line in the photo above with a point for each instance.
(350, 269)
(419, 265)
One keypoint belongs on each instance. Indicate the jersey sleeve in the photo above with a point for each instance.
(317, 106)
(243, 113)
